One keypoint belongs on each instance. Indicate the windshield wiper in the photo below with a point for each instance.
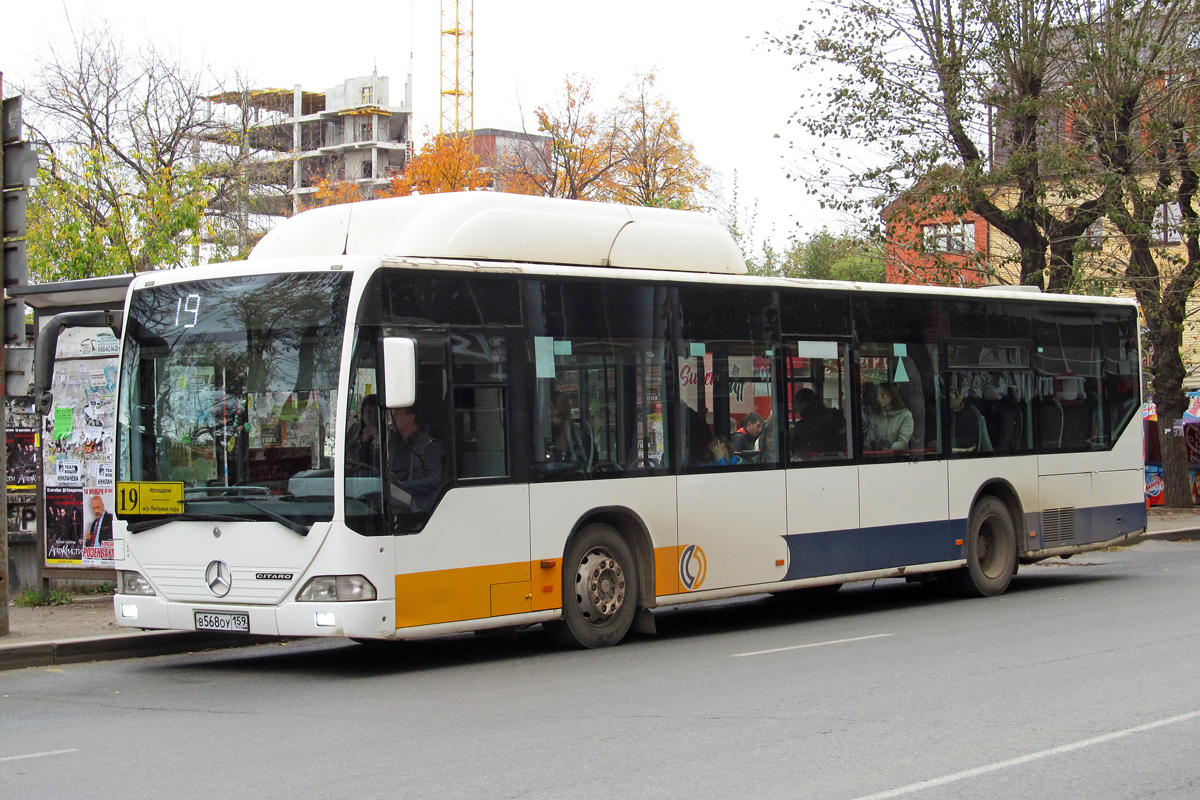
(187, 516)
(286, 522)
(226, 491)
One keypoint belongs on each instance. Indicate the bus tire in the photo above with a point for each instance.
(599, 590)
(991, 546)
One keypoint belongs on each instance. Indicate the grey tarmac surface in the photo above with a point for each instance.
(1080, 682)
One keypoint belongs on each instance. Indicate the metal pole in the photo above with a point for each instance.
(4, 577)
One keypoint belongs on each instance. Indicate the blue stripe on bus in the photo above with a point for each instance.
(858, 550)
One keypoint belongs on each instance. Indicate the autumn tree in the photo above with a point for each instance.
(954, 102)
(332, 191)
(445, 164)
(120, 188)
(656, 165)
(1135, 113)
(583, 151)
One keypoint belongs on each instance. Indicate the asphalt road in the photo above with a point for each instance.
(1081, 682)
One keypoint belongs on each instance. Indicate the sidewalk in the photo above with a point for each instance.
(86, 630)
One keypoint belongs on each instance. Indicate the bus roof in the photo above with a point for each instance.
(492, 226)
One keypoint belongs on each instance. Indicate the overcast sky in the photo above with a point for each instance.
(733, 94)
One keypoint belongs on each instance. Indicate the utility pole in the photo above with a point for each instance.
(18, 164)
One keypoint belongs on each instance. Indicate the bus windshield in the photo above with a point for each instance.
(229, 386)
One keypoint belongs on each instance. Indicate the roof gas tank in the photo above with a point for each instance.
(491, 226)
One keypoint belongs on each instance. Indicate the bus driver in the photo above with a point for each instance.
(416, 463)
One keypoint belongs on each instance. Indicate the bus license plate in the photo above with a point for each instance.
(219, 621)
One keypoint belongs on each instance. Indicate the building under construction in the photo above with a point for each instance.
(290, 140)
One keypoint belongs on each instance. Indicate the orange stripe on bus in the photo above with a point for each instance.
(666, 570)
(453, 595)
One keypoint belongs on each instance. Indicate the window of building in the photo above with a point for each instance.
(1093, 237)
(1166, 224)
(368, 95)
(957, 237)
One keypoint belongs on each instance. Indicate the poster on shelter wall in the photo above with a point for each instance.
(23, 461)
(78, 450)
(64, 526)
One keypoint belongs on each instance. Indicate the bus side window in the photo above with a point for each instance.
(417, 452)
(899, 400)
(990, 388)
(480, 374)
(818, 397)
(364, 481)
(727, 403)
(599, 367)
(1068, 366)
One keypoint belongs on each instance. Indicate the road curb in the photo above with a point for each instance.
(1185, 534)
(106, 648)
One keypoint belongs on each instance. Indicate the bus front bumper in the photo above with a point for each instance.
(372, 619)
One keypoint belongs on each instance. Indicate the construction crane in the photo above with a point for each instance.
(458, 76)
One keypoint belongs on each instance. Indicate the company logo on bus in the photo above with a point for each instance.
(693, 566)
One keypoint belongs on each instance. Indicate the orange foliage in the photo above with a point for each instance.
(333, 192)
(445, 164)
(582, 153)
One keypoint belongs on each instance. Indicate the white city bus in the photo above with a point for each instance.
(419, 416)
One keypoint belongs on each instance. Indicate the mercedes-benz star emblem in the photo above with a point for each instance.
(218, 578)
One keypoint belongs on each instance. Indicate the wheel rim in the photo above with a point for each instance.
(988, 548)
(599, 586)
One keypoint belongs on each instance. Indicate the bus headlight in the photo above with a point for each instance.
(336, 588)
(134, 583)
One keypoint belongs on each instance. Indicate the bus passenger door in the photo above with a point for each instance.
(822, 480)
(902, 483)
(731, 494)
(470, 560)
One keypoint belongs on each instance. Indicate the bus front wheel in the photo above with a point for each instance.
(599, 590)
(991, 546)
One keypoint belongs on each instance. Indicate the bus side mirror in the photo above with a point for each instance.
(399, 372)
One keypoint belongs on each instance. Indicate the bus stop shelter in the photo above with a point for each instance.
(28, 563)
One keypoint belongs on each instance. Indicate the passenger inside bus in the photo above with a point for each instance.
(892, 427)
(968, 430)
(720, 453)
(416, 463)
(869, 399)
(747, 434)
(569, 442)
(818, 430)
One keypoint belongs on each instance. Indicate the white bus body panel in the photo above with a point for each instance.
(556, 508)
(471, 560)
(738, 520)
(903, 509)
(822, 521)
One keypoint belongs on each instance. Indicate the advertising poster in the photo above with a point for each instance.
(64, 526)
(78, 450)
(24, 462)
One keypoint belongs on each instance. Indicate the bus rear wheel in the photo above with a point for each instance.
(599, 590)
(991, 546)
